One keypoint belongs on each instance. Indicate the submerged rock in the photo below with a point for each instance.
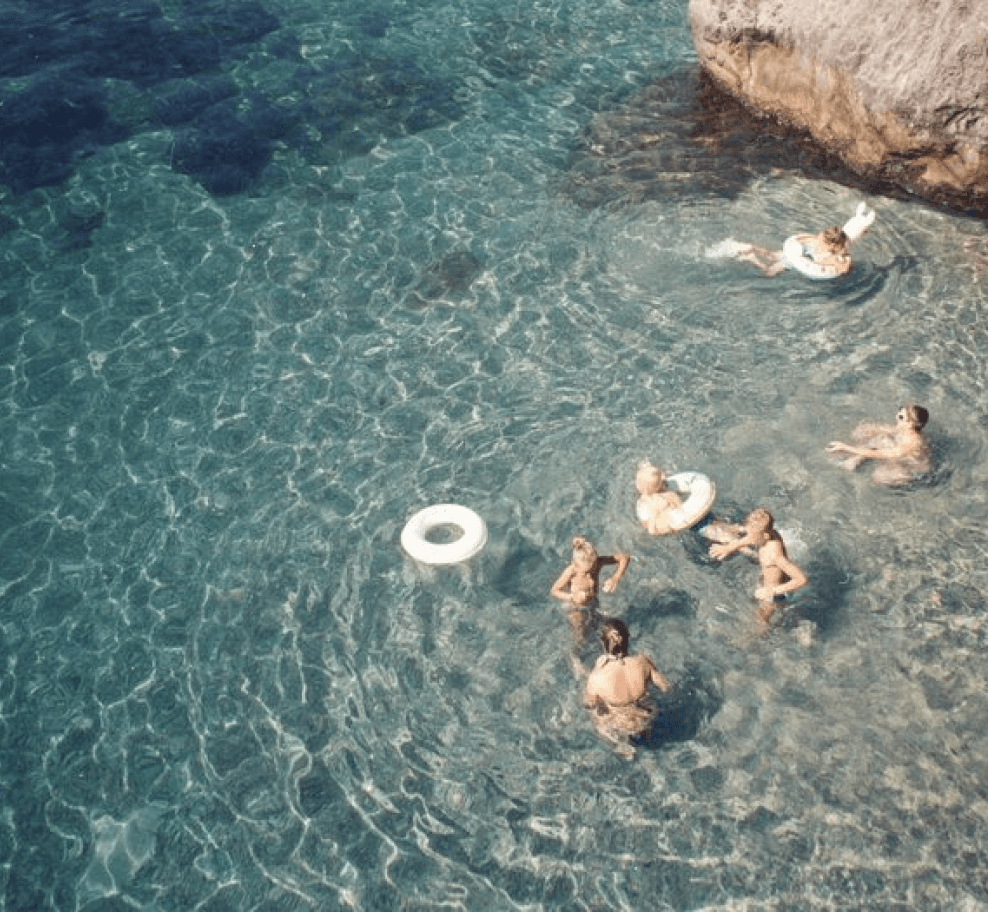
(897, 88)
(448, 277)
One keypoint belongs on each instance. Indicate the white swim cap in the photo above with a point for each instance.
(859, 223)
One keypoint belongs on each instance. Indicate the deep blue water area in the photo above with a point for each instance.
(275, 276)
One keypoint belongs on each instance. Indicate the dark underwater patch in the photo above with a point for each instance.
(47, 126)
(65, 52)
(448, 277)
(174, 66)
(226, 150)
(181, 100)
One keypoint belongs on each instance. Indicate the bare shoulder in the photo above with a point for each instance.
(643, 664)
(772, 549)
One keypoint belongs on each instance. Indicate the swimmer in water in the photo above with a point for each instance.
(830, 248)
(616, 691)
(900, 450)
(655, 501)
(779, 575)
(828, 251)
(579, 582)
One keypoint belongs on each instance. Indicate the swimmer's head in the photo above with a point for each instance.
(759, 520)
(649, 479)
(835, 238)
(914, 415)
(584, 554)
(614, 637)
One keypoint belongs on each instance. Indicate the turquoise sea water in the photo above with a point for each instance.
(331, 263)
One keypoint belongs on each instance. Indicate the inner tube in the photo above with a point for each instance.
(701, 493)
(472, 539)
(795, 254)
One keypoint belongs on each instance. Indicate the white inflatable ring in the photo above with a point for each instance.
(415, 541)
(701, 493)
(793, 251)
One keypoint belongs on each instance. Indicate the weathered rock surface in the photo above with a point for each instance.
(897, 88)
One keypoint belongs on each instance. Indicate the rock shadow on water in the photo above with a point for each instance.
(683, 135)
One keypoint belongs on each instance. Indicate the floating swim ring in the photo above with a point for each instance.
(471, 541)
(800, 256)
(701, 493)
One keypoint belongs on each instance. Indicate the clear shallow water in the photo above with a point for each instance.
(223, 685)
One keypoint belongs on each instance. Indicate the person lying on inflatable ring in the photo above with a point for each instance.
(825, 255)
(616, 691)
(656, 502)
(901, 450)
(829, 250)
(779, 575)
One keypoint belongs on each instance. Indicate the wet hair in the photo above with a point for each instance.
(647, 476)
(581, 547)
(835, 236)
(917, 415)
(615, 637)
(761, 517)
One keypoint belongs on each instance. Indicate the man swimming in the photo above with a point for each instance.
(779, 575)
(901, 450)
(617, 689)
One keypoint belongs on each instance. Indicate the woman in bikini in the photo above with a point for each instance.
(616, 692)
(579, 582)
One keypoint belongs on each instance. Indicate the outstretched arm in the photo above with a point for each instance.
(622, 561)
(723, 550)
(892, 452)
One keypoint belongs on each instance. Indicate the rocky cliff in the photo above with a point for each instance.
(897, 88)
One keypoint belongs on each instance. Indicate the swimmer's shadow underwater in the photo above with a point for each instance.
(682, 713)
(695, 698)
(865, 281)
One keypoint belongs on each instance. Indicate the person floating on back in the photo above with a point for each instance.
(617, 689)
(900, 450)
(825, 255)
(779, 575)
